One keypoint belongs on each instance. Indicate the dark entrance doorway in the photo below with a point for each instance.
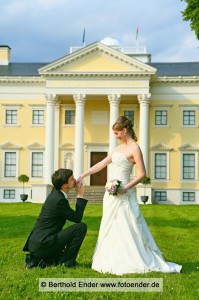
(99, 178)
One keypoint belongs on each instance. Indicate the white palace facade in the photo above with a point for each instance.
(60, 114)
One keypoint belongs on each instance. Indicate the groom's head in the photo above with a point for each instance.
(63, 178)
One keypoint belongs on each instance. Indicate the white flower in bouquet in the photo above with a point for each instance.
(113, 186)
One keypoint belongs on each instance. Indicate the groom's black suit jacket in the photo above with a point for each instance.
(54, 213)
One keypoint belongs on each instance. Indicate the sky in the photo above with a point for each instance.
(44, 30)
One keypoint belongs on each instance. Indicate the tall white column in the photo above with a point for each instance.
(144, 101)
(49, 150)
(114, 101)
(79, 134)
(56, 142)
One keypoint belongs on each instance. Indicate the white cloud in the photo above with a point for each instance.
(38, 30)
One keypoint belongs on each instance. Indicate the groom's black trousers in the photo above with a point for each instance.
(66, 246)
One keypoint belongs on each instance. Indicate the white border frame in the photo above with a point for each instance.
(17, 164)
(196, 167)
(168, 165)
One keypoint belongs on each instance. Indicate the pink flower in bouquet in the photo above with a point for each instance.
(113, 186)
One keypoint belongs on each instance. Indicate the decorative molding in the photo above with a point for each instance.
(161, 147)
(161, 106)
(10, 146)
(11, 105)
(51, 99)
(114, 99)
(188, 106)
(67, 146)
(36, 146)
(144, 99)
(79, 99)
(176, 79)
(20, 79)
(189, 147)
(40, 106)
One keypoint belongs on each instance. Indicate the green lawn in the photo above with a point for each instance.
(175, 229)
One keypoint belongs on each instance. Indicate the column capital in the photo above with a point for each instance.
(51, 99)
(114, 98)
(79, 98)
(144, 98)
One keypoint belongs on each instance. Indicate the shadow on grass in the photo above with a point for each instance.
(12, 227)
(176, 223)
(190, 267)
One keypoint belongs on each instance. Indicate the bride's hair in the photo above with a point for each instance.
(123, 122)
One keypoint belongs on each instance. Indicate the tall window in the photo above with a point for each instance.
(189, 117)
(129, 114)
(69, 116)
(188, 196)
(161, 117)
(160, 166)
(11, 116)
(188, 166)
(37, 164)
(38, 117)
(10, 164)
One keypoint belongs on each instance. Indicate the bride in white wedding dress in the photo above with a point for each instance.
(125, 243)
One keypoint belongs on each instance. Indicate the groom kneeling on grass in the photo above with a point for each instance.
(48, 243)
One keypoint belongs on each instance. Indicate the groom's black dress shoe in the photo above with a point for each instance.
(71, 264)
(33, 262)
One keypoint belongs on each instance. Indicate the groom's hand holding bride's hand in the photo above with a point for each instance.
(79, 181)
(79, 189)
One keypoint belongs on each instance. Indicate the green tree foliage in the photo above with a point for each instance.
(191, 13)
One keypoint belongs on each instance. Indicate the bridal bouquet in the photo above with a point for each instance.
(113, 186)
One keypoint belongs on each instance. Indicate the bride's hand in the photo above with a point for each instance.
(79, 181)
(122, 191)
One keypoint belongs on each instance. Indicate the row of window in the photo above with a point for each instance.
(10, 164)
(160, 165)
(158, 195)
(11, 117)
(188, 166)
(186, 196)
(189, 117)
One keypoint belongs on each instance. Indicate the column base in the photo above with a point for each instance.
(40, 192)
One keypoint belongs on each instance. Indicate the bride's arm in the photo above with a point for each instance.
(97, 167)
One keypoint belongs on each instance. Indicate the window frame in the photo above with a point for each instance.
(38, 110)
(189, 108)
(159, 191)
(4, 165)
(31, 164)
(10, 198)
(167, 165)
(182, 167)
(161, 108)
(188, 192)
(10, 107)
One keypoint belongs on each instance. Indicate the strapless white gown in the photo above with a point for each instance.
(125, 243)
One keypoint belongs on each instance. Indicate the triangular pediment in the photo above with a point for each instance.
(161, 147)
(10, 146)
(97, 58)
(188, 147)
(36, 146)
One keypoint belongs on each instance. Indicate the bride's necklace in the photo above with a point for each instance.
(127, 144)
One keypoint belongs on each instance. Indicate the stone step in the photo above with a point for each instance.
(94, 194)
